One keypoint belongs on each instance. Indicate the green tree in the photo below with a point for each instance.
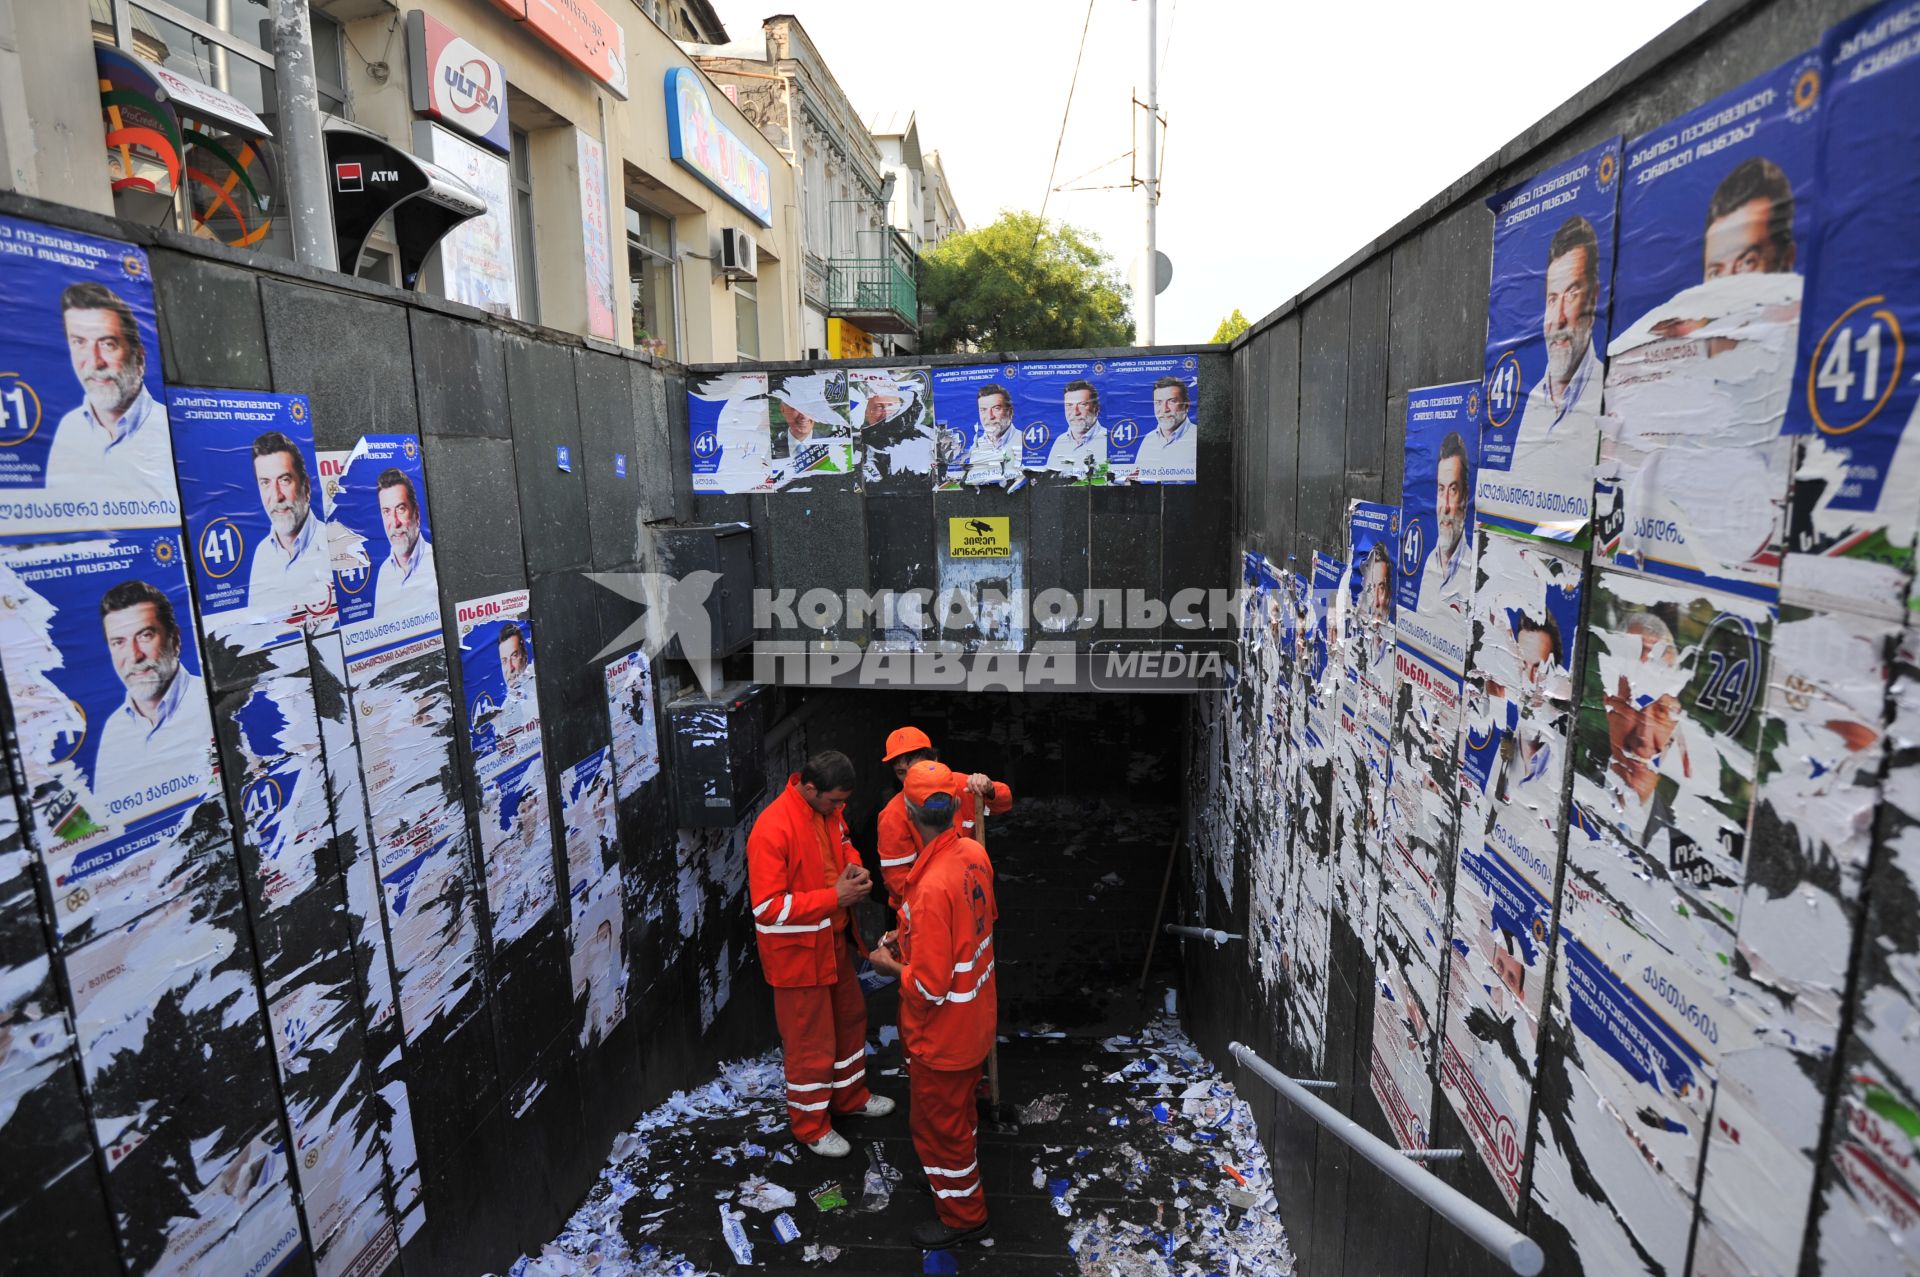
(1231, 327)
(1022, 283)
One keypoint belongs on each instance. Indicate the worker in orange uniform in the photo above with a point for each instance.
(899, 842)
(949, 1008)
(802, 874)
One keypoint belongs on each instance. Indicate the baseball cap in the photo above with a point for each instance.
(905, 740)
(927, 779)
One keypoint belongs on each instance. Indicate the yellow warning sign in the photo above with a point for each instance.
(980, 536)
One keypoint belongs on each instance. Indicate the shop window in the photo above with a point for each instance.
(746, 320)
(522, 166)
(655, 277)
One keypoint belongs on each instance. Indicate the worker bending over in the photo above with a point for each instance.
(949, 1007)
(802, 874)
(899, 842)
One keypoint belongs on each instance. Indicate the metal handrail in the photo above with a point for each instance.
(1202, 933)
(1508, 1244)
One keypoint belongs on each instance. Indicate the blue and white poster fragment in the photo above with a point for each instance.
(115, 731)
(263, 571)
(894, 409)
(594, 895)
(636, 740)
(1547, 314)
(387, 587)
(811, 434)
(84, 443)
(1513, 768)
(1694, 464)
(1433, 577)
(977, 439)
(1360, 641)
(173, 1048)
(727, 422)
(1856, 399)
(1151, 403)
(1061, 428)
(503, 732)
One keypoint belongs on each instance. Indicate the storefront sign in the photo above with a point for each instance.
(711, 151)
(455, 83)
(848, 341)
(580, 31)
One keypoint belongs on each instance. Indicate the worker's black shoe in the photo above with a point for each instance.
(934, 1235)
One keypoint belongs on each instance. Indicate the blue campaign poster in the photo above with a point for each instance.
(84, 444)
(1856, 494)
(1547, 311)
(1369, 584)
(1062, 422)
(111, 710)
(727, 422)
(1434, 580)
(811, 436)
(503, 729)
(261, 565)
(1150, 403)
(384, 576)
(1715, 210)
(977, 439)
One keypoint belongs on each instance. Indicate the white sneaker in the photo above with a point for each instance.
(877, 1106)
(832, 1144)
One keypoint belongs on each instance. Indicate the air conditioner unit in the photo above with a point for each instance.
(739, 255)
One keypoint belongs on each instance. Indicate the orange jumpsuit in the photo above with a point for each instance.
(794, 856)
(899, 841)
(949, 1013)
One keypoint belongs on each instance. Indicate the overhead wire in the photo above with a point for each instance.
(1054, 168)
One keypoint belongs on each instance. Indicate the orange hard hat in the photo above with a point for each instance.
(927, 778)
(905, 740)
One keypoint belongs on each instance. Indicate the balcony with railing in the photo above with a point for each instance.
(877, 291)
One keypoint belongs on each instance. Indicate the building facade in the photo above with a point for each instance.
(858, 291)
(594, 180)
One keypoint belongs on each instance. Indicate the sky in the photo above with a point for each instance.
(1295, 133)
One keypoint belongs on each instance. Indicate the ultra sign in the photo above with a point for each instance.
(455, 83)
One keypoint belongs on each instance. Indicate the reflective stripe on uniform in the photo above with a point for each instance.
(968, 1169)
(803, 927)
(972, 993)
(855, 1058)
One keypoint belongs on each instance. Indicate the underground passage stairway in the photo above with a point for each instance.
(1116, 1148)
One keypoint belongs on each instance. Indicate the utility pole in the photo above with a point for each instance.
(309, 206)
(1150, 276)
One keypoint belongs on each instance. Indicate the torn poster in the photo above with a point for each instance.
(114, 727)
(894, 408)
(1855, 402)
(263, 571)
(1547, 311)
(727, 421)
(594, 890)
(174, 1052)
(1814, 813)
(509, 768)
(978, 441)
(1692, 477)
(1512, 777)
(81, 404)
(390, 592)
(1669, 728)
(336, 1155)
(1151, 403)
(353, 840)
(636, 741)
(812, 440)
(404, 720)
(1062, 434)
(1870, 1216)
